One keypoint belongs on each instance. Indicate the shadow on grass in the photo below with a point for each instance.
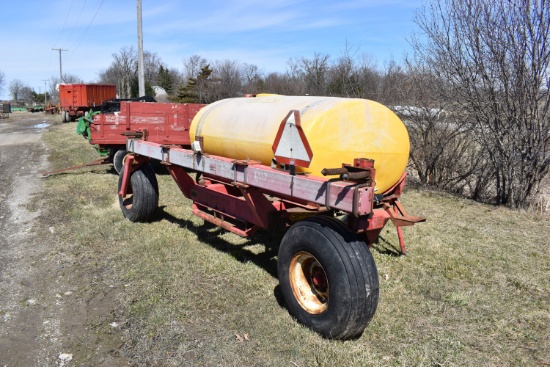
(210, 234)
(385, 247)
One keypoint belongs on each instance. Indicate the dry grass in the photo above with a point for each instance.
(542, 200)
(474, 290)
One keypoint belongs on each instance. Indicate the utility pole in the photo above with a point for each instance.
(141, 75)
(60, 68)
(45, 92)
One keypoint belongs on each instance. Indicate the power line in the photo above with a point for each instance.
(77, 21)
(65, 22)
(89, 24)
(62, 29)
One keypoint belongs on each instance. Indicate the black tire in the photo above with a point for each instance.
(141, 201)
(118, 160)
(328, 278)
(64, 116)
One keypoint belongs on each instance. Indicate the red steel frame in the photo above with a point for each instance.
(243, 196)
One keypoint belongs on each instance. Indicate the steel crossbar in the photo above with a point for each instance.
(341, 195)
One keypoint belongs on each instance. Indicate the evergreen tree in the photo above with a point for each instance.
(134, 89)
(196, 89)
(165, 80)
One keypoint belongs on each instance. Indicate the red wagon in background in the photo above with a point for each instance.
(77, 99)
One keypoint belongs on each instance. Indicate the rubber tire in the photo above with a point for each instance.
(144, 195)
(118, 160)
(64, 116)
(349, 268)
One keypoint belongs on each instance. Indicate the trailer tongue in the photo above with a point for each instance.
(327, 274)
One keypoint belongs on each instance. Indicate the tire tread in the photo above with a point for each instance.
(361, 277)
(145, 195)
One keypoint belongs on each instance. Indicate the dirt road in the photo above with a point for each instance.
(44, 319)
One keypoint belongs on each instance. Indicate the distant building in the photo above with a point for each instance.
(160, 93)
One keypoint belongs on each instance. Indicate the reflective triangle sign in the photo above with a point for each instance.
(291, 145)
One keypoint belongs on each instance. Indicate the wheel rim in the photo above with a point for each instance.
(128, 199)
(123, 161)
(309, 282)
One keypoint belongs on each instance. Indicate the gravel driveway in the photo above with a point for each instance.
(44, 321)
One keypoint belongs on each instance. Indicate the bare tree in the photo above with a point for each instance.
(2, 81)
(278, 84)
(293, 81)
(495, 55)
(15, 88)
(122, 71)
(27, 94)
(344, 78)
(314, 72)
(392, 83)
(369, 79)
(192, 66)
(252, 79)
(444, 152)
(125, 69)
(226, 80)
(151, 65)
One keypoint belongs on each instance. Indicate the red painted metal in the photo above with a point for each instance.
(388, 208)
(78, 98)
(243, 196)
(97, 162)
(238, 208)
(132, 163)
(163, 123)
(337, 195)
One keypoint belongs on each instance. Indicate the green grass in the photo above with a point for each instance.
(474, 289)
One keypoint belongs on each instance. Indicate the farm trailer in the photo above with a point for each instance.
(269, 177)
(77, 99)
(165, 123)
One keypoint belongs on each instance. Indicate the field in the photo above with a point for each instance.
(473, 290)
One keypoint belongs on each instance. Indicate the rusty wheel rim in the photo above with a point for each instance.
(309, 282)
(128, 201)
(124, 160)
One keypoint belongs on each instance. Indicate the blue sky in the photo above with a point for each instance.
(264, 33)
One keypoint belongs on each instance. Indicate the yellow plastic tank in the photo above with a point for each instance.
(338, 130)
